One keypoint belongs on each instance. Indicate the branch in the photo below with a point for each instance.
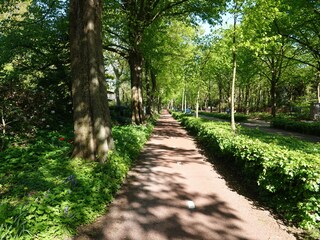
(166, 8)
(290, 36)
(300, 61)
(115, 50)
(117, 35)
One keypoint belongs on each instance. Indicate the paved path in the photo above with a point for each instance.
(174, 193)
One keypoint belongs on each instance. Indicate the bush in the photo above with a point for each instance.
(46, 195)
(260, 115)
(286, 170)
(312, 128)
(238, 117)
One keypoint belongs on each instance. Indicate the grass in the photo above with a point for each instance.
(46, 195)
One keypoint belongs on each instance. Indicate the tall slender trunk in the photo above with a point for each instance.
(197, 104)
(153, 87)
(182, 100)
(209, 100)
(247, 100)
(273, 96)
(135, 63)
(318, 87)
(159, 104)
(234, 67)
(185, 100)
(117, 91)
(220, 97)
(92, 123)
(148, 91)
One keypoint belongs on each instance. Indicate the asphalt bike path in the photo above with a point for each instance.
(173, 192)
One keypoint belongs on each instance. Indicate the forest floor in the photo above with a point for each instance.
(176, 192)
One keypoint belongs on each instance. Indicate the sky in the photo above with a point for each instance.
(227, 20)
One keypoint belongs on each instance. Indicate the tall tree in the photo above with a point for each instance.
(234, 65)
(92, 123)
(138, 16)
(300, 22)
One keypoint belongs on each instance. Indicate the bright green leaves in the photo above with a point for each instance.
(286, 170)
(47, 195)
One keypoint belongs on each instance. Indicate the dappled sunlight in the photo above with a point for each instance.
(173, 193)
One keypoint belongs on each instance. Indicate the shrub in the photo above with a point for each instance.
(286, 170)
(238, 116)
(312, 128)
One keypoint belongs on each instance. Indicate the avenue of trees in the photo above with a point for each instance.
(82, 80)
(56, 56)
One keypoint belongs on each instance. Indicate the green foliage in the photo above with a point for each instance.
(312, 128)
(260, 115)
(46, 195)
(34, 66)
(238, 116)
(285, 170)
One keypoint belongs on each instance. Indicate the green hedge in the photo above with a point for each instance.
(285, 170)
(47, 195)
(312, 128)
(238, 117)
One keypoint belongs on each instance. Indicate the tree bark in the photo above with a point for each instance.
(234, 67)
(153, 88)
(220, 97)
(247, 100)
(135, 63)
(117, 90)
(209, 98)
(149, 91)
(92, 123)
(273, 96)
(197, 103)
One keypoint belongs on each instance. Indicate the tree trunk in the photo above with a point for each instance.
(185, 101)
(210, 100)
(197, 104)
(135, 63)
(153, 88)
(148, 91)
(117, 91)
(273, 96)
(182, 100)
(220, 97)
(159, 104)
(318, 87)
(247, 99)
(92, 123)
(234, 67)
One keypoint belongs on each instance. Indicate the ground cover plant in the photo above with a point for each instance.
(46, 195)
(286, 171)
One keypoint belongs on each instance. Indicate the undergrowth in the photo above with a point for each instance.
(46, 195)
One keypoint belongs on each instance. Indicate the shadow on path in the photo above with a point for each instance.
(173, 193)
